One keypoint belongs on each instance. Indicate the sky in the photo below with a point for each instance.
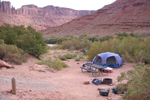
(73, 4)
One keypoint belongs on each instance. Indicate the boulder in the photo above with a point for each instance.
(4, 64)
(36, 67)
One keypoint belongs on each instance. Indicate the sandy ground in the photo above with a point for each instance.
(66, 84)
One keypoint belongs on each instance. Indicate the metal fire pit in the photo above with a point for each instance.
(107, 81)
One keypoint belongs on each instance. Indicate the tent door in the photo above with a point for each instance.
(111, 60)
(98, 59)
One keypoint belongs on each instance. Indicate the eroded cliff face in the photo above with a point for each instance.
(50, 10)
(39, 18)
(120, 16)
(5, 7)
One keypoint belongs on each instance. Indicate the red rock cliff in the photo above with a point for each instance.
(5, 7)
(121, 16)
(39, 18)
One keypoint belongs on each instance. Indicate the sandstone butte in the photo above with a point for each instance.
(38, 17)
(121, 16)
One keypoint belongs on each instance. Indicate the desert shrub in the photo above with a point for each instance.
(12, 54)
(25, 38)
(90, 38)
(74, 55)
(131, 49)
(77, 59)
(84, 36)
(133, 34)
(1, 41)
(93, 39)
(81, 56)
(121, 88)
(54, 63)
(138, 81)
(68, 56)
(58, 64)
(136, 49)
(106, 38)
(122, 35)
(76, 44)
(55, 39)
(94, 50)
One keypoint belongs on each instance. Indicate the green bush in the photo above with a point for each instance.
(74, 55)
(81, 57)
(106, 38)
(12, 54)
(76, 44)
(55, 40)
(122, 35)
(68, 56)
(54, 63)
(138, 81)
(131, 49)
(121, 88)
(77, 59)
(94, 50)
(27, 39)
(58, 64)
(1, 41)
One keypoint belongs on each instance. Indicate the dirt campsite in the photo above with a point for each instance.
(49, 84)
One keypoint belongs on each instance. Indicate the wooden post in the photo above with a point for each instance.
(13, 85)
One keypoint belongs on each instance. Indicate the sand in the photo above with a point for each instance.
(66, 84)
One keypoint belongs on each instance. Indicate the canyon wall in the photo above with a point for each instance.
(38, 17)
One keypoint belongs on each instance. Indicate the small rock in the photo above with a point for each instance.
(86, 82)
(51, 70)
(108, 98)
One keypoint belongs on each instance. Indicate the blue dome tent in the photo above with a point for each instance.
(109, 59)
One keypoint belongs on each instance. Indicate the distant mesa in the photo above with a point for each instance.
(38, 17)
(30, 6)
(120, 16)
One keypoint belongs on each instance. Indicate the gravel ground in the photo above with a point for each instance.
(2, 97)
(28, 84)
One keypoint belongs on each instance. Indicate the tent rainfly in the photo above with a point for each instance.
(109, 59)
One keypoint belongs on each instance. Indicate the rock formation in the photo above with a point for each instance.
(121, 16)
(5, 7)
(4, 64)
(38, 18)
